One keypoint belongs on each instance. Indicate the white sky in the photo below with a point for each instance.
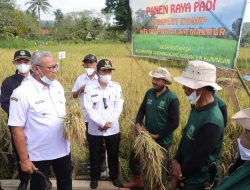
(78, 5)
(67, 6)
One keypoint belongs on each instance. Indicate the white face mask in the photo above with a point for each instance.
(105, 78)
(193, 98)
(244, 152)
(23, 68)
(89, 71)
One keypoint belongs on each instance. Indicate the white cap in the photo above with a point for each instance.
(198, 74)
(243, 118)
(161, 73)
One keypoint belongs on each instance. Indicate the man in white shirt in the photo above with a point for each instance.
(104, 102)
(37, 109)
(87, 78)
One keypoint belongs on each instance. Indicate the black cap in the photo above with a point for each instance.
(22, 54)
(104, 64)
(89, 57)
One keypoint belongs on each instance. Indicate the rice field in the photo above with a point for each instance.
(134, 79)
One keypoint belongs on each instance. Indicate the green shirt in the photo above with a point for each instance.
(197, 119)
(238, 180)
(156, 114)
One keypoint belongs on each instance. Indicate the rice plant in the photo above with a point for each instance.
(133, 77)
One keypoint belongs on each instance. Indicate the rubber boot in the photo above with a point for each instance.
(137, 182)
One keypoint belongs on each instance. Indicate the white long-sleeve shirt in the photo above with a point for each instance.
(80, 81)
(102, 105)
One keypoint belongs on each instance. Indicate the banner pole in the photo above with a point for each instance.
(61, 63)
(242, 81)
(138, 63)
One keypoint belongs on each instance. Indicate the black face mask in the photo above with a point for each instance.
(159, 89)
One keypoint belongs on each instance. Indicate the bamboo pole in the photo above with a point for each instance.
(242, 81)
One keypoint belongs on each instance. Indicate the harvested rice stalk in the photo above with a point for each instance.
(74, 126)
(151, 157)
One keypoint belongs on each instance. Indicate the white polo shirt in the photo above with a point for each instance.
(94, 104)
(80, 81)
(40, 111)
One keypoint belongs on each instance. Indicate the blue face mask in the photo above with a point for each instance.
(46, 80)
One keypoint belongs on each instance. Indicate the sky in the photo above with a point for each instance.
(67, 6)
(78, 5)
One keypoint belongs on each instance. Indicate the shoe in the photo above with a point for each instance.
(93, 184)
(22, 186)
(137, 182)
(117, 183)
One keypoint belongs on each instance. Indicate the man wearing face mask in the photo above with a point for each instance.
(160, 107)
(87, 78)
(239, 172)
(22, 63)
(36, 116)
(89, 64)
(196, 163)
(103, 102)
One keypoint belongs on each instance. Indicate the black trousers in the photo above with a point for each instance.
(62, 169)
(102, 146)
(112, 145)
(23, 176)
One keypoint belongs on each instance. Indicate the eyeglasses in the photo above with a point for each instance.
(105, 103)
(51, 68)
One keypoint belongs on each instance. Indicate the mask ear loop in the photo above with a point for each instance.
(39, 71)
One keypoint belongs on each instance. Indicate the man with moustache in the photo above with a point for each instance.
(37, 109)
(160, 107)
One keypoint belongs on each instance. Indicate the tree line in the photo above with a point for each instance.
(111, 23)
(114, 22)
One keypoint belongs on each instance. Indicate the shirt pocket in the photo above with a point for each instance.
(40, 108)
(112, 99)
(61, 107)
(96, 101)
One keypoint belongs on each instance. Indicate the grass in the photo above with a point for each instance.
(244, 58)
(134, 80)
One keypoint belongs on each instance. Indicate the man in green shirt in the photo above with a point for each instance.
(239, 174)
(160, 107)
(197, 160)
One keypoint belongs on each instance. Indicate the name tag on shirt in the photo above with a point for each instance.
(14, 99)
(40, 101)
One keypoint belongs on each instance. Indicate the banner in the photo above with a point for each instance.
(206, 30)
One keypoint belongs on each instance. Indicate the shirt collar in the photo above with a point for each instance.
(87, 77)
(206, 107)
(29, 76)
(39, 86)
(110, 84)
